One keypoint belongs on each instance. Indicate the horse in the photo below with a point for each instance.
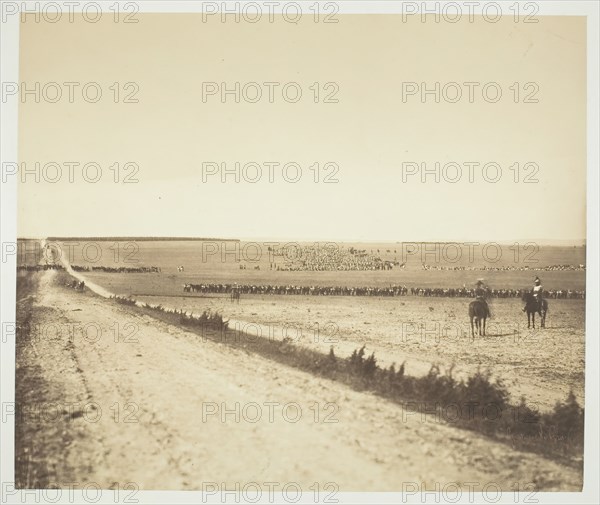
(532, 306)
(478, 312)
(235, 295)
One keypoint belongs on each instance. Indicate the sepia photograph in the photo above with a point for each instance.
(295, 252)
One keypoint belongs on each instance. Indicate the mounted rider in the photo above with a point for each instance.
(481, 294)
(538, 292)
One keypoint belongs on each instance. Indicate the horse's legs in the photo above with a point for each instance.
(484, 326)
(472, 329)
(528, 320)
(533, 319)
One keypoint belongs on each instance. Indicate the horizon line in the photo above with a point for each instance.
(179, 238)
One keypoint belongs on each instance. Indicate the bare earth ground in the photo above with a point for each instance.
(541, 364)
(150, 388)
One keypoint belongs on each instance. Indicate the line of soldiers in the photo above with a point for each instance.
(38, 268)
(116, 270)
(394, 290)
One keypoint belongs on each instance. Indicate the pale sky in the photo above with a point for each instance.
(369, 134)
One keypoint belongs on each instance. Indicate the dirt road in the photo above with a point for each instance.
(541, 365)
(157, 406)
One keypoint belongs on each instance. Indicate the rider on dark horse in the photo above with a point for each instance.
(481, 293)
(538, 292)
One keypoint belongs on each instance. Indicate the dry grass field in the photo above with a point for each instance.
(220, 261)
(540, 365)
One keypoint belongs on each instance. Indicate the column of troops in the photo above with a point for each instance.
(395, 290)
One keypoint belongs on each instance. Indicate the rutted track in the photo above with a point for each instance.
(162, 379)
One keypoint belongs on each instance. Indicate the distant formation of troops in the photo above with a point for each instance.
(289, 289)
(268, 289)
(78, 268)
(505, 268)
(116, 270)
(497, 293)
(324, 259)
(37, 268)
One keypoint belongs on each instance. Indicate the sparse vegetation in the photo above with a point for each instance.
(363, 367)
(478, 403)
(208, 318)
(123, 300)
(520, 424)
(31, 470)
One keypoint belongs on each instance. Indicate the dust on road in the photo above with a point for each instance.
(161, 397)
